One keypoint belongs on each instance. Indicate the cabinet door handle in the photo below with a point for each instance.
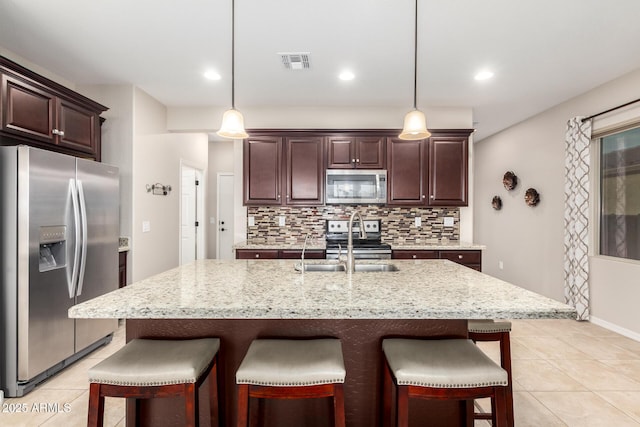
(55, 132)
(432, 196)
(278, 196)
(414, 256)
(257, 255)
(459, 256)
(353, 160)
(424, 197)
(61, 132)
(357, 160)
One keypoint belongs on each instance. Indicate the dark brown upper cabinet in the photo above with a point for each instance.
(429, 172)
(304, 174)
(42, 113)
(262, 166)
(356, 152)
(406, 172)
(283, 170)
(448, 168)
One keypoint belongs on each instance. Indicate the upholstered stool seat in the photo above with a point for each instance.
(499, 331)
(489, 326)
(453, 369)
(292, 369)
(146, 368)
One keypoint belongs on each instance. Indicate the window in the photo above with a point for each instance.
(620, 194)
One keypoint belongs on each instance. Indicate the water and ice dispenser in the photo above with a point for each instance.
(53, 247)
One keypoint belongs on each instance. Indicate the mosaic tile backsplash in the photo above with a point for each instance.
(398, 224)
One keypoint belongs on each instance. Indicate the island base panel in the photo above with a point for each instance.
(361, 344)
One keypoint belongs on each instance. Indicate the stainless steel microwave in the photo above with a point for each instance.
(356, 186)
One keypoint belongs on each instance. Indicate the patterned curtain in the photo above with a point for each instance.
(576, 216)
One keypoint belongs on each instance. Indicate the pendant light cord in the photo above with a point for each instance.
(415, 58)
(233, 55)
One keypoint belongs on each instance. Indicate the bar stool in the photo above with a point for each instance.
(292, 369)
(490, 330)
(446, 369)
(148, 368)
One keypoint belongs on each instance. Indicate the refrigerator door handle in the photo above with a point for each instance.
(76, 246)
(83, 257)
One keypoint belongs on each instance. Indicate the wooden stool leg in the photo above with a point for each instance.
(467, 412)
(402, 411)
(338, 406)
(499, 407)
(96, 406)
(387, 396)
(243, 404)
(214, 411)
(191, 405)
(505, 362)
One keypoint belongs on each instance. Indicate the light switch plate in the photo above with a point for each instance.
(251, 221)
(448, 221)
(418, 221)
(146, 226)
(281, 221)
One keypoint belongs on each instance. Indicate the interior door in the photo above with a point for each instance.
(225, 216)
(191, 210)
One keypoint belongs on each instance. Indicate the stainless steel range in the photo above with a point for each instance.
(370, 248)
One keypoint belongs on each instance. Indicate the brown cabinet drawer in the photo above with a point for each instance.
(413, 254)
(462, 257)
(256, 253)
(297, 253)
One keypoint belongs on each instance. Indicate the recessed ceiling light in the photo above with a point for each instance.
(484, 75)
(212, 75)
(346, 75)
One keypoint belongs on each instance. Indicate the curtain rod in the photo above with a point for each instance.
(610, 110)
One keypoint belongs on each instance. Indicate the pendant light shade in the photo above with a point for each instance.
(415, 123)
(232, 120)
(415, 126)
(232, 125)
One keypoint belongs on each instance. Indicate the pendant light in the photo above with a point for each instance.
(415, 123)
(232, 120)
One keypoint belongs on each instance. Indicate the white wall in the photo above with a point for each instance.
(529, 241)
(157, 156)
(220, 160)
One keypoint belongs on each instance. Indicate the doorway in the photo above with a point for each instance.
(191, 214)
(224, 236)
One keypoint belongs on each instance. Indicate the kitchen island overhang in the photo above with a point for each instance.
(273, 289)
(240, 300)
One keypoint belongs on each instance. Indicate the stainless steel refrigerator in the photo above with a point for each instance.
(59, 228)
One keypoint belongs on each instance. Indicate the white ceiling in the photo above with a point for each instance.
(542, 51)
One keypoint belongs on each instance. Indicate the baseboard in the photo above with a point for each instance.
(615, 328)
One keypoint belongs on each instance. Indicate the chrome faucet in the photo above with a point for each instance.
(351, 265)
(304, 248)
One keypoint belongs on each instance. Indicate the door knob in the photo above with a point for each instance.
(222, 229)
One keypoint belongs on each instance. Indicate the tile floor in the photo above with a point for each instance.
(565, 373)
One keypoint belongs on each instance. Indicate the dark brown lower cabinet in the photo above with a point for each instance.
(279, 254)
(122, 269)
(469, 258)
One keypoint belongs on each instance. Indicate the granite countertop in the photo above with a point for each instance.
(428, 246)
(272, 289)
(123, 244)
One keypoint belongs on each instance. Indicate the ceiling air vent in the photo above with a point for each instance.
(295, 60)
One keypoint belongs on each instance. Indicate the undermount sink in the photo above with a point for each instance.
(323, 267)
(374, 268)
(364, 268)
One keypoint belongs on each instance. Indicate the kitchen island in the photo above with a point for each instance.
(239, 300)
